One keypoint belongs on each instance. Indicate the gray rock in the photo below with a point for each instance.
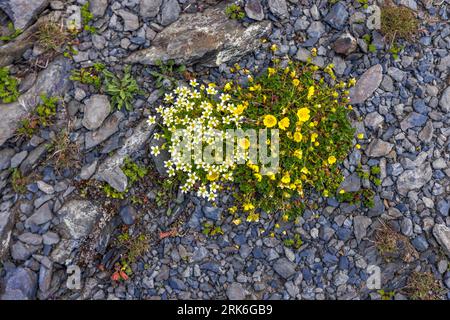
(426, 134)
(379, 148)
(149, 8)
(20, 284)
(109, 127)
(98, 7)
(21, 251)
(33, 159)
(278, 8)
(128, 215)
(62, 251)
(420, 243)
(345, 44)
(414, 179)
(442, 234)
(41, 216)
(337, 16)
(88, 170)
(224, 40)
(413, 120)
(6, 225)
(5, 158)
(316, 29)
(170, 11)
(412, 4)
(235, 291)
(254, 10)
(45, 276)
(397, 74)
(444, 102)
(96, 109)
(352, 183)
(78, 218)
(360, 225)
(31, 238)
(130, 20)
(53, 80)
(407, 227)
(45, 187)
(284, 268)
(109, 171)
(50, 238)
(18, 158)
(23, 12)
(387, 84)
(367, 84)
(373, 120)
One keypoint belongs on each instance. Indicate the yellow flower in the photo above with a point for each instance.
(253, 217)
(258, 177)
(256, 87)
(331, 159)
(227, 86)
(212, 176)
(271, 71)
(298, 136)
(314, 52)
(352, 82)
(271, 176)
(233, 209)
(293, 74)
(358, 146)
(314, 137)
(342, 191)
(304, 170)
(298, 154)
(284, 123)
(360, 136)
(274, 47)
(244, 143)
(325, 193)
(303, 114)
(270, 121)
(310, 92)
(238, 110)
(285, 217)
(237, 221)
(286, 178)
(248, 206)
(295, 82)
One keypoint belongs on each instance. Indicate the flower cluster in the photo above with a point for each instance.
(195, 116)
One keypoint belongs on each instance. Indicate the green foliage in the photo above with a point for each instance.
(122, 90)
(89, 75)
(368, 40)
(398, 22)
(235, 12)
(8, 86)
(167, 74)
(364, 3)
(209, 229)
(133, 171)
(86, 18)
(18, 182)
(395, 50)
(295, 242)
(133, 247)
(52, 37)
(110, 192)
(363, 196)
(13, 33)
(386, 295)
(47, 109)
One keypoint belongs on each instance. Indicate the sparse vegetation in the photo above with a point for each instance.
(234, 11)
(122, 90)
(423, 286)
(134, 248)
(19, 182)
(86, 18)
(391, 244)
(89, 75)
(209, 229)
(165, 78)
(53, 37)
(398, 22)
(63, 152)
(13, 33)
(8, 86)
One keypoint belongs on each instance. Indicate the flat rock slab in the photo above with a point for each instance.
(209, 37)
(20, 284)
(78, 218)
(6, 225)
(53, 81)
(367, 84)
(414, 179)
(23, 12)
(109, 171)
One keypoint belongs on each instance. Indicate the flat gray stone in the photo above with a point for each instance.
(23, 12)
(78, 218)
(108, 128)
(378, 148)
(254, 10)
(414, 179)
(367, 84)
(284, 268)
(19, 284)
(149, 8)
(444, 102)
(96, 109)
(442, 234)
(222, 40)
(6, 225)
(98, 7)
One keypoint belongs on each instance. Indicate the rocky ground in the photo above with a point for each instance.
(53, 215)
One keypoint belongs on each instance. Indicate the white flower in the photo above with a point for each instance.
(193, 83)
(151, 120)
(211, 91)
(155, 150)
(168, 97)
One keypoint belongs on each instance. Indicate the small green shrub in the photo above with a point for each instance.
(133, 171)
(122, 90)
(89, 75)
(8, 86)
(47, 109)
(86, 18)
(167, 73)
(13, 33)
(398, 22)
(234, 11)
